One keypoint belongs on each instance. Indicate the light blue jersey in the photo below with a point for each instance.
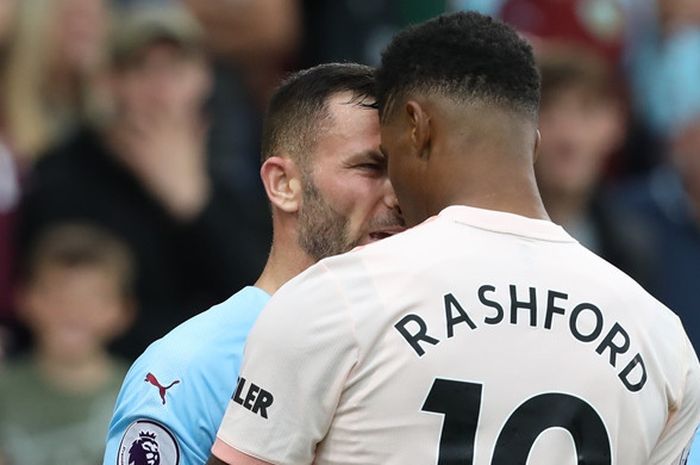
(174, 396)
(694, 457)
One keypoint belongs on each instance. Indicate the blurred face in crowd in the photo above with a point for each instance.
(7, 15)
(79, 33)
(347, 196)
(580, 130)
(677, 12)
(73, 311)
(162, 77)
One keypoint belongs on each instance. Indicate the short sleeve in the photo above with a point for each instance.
(140, 415)
(296, 361)
(674, 444)
(157, 404)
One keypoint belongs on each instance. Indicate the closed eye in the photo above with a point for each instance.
(371, 162)
(370, 166)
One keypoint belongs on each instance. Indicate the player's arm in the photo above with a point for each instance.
(295, 364)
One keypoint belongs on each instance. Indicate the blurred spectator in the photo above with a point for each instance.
(596, 24)
(9, 192)
(664, 73)
(582, 124)
(253, 44)
(675, 15)
(75, 296)
(9, 199)
(257, 34)
(669, 198)
(50, 57)
(663, 67)
(669, 202)
(53, 61)
(144, 176)
(7, 19)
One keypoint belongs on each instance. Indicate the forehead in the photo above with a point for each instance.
(158, 51)
(350, 128)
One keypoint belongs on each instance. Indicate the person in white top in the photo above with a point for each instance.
(485, 335)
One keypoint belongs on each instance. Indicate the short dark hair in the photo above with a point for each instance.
(78, 245)
(467, 56)
(300, 105)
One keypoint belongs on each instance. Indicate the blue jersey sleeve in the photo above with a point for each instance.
(174, 396)
(154, 410)
(694, 457)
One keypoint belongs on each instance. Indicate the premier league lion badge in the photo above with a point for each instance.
(146, 442)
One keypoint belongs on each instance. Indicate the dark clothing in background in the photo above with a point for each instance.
(621, 238)
(234, 138)
(346, 30)
(358, 30)
(182, 268)
(660, 202)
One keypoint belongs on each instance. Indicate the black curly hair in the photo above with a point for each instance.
(466, 56)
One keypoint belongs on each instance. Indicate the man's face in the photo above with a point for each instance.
(162, 78)
(74, 310)
(579, 133)
(347, 197)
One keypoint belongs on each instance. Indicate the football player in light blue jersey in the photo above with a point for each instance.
(327, 183)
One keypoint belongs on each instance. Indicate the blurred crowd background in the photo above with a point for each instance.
(129, 189)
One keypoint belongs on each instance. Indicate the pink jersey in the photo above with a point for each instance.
(475, 338)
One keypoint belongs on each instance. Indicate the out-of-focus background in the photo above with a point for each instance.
(129, 190)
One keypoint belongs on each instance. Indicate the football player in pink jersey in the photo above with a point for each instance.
(484, 335)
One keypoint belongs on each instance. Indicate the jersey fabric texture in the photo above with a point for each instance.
(476, 337)
(178, 389)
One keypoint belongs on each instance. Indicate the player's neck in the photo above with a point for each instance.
(507, 190)
(285, 262)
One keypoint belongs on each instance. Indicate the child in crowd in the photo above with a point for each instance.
(75, 297)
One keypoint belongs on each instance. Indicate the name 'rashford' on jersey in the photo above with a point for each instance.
(478, 337)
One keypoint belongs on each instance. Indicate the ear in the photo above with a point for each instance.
(419, 122)
(282, 180)
(536, 147)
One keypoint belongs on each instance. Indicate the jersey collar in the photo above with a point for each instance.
(507, 223)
